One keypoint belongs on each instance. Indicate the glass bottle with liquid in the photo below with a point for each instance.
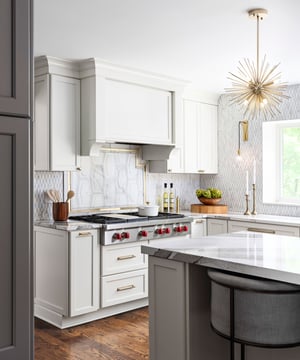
(165, 198)
(171, 199)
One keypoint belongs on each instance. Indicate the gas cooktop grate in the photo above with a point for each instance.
(121, 218)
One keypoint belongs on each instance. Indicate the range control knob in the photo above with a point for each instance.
(159, 231)
(125, 235)
(178, 229)
(167, 230)
(185, 228)
(143, 233)
(117, 236)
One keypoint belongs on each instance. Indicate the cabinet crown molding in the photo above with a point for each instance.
(99, 67)
(56, 66)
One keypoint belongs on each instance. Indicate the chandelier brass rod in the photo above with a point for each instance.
(257, 46)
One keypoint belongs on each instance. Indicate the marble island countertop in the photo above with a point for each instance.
(269, 256)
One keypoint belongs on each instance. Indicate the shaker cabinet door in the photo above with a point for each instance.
(201, 141)
(15, 89)
(15, 234)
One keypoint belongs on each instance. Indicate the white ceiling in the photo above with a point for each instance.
(196, 40)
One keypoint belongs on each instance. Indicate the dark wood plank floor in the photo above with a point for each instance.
(121, 337)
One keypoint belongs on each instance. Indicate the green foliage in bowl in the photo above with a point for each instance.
(209, 193)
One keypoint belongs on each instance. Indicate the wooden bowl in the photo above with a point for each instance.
(208, 201)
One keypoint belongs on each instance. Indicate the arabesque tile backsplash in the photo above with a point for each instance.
(231, 174)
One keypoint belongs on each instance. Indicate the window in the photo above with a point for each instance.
(281, 162)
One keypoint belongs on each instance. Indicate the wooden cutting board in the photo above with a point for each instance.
(209, 209)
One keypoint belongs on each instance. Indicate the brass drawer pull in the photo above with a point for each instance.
(127, 287)
(199, 221)
(125, 257)
(266, 231)
(87, 233)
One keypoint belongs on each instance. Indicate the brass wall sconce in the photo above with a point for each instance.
(244, 125)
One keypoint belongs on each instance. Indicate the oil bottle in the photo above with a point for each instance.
(165, 198)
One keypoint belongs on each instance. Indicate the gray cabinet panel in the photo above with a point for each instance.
(6, 236)
(16, 320)
(15, 59)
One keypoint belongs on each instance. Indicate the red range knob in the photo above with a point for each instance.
(167, 230)
(125, 235)
(159, 231)
(178, 229)
(185, 228)
(143, 233)
(117, 236)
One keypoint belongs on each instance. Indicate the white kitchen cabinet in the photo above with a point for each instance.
(124, 287)
(84, 276)
(198, 228)
(66, 271)
(121, 258)
(216, 226)
(124, 273)
(56, 123)
(125, 105)
(234, 226)
(200, 137)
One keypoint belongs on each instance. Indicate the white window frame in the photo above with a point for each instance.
(272, 135)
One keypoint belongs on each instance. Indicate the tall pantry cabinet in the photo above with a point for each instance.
(16, 320)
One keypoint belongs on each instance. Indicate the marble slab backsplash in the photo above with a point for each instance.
(108, 181)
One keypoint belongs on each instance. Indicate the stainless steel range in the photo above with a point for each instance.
(120, 228)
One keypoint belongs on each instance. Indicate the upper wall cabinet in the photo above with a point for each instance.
(201, 138)
(15, 66)
(57, 115)
(124, 105)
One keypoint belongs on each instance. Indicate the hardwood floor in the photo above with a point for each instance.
(121, 337)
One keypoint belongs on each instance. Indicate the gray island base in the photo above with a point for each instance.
(179, 291)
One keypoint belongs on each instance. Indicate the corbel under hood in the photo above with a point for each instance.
(156, 152)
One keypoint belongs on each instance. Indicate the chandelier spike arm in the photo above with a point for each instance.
(251, 69)
(237, 77)
(267, 76)
(244, 69)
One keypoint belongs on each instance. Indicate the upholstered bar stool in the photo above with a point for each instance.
(254, 311)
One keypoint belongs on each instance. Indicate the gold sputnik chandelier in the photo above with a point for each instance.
(257, 88)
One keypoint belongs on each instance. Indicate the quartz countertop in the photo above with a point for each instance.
(260, 218)
(69, 225)
(269, 256)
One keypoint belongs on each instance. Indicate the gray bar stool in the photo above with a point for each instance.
(254, 311)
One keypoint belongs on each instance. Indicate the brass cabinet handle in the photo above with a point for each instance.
(266, 231)
(201, 171)
(199, 221)
(127, 287)
(87, 233)
(125, 257)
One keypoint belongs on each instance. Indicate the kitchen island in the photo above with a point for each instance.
(179, 298)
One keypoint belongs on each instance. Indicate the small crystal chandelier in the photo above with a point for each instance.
(257, 88)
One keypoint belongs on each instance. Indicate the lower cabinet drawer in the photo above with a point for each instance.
(116, 259)
(121, 288)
